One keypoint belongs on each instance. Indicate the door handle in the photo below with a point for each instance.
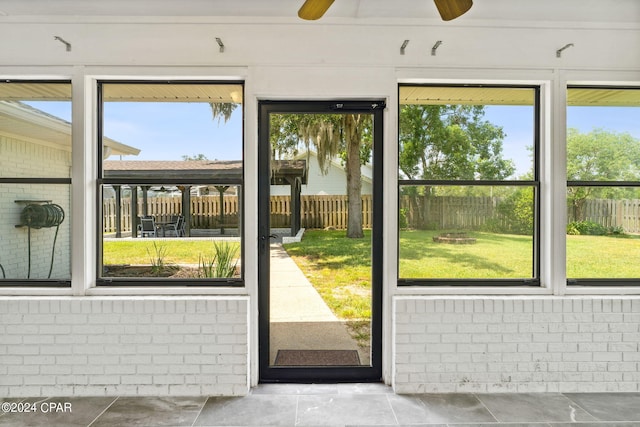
(271, 236)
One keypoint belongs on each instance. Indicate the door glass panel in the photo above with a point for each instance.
(320, 254)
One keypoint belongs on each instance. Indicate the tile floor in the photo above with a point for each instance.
(334, 405)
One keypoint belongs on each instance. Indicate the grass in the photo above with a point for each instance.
(339, 268)
(600, 257)
(492, 256)
(178, 251)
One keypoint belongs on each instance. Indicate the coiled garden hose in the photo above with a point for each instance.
(42, 216)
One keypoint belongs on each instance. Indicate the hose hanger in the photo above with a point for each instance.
(37, 215)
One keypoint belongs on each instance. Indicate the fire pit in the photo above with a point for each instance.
(454, 239)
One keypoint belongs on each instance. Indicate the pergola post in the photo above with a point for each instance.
(296, 189)
(118, 191)
(134, 211)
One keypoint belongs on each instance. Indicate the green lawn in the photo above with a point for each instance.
(339, 269)
(177, 251)
(492, 256)
(603, 257)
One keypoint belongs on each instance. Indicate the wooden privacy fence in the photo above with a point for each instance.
(205, 211)
(623, 213)
(315, 211)
(448, 212)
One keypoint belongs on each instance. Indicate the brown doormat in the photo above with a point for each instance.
(317, 358)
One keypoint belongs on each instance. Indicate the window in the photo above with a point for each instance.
(171, 178)
(603, 185)
(35, 183)
(468, 185)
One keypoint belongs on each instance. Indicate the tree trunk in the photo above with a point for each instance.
(354, 179)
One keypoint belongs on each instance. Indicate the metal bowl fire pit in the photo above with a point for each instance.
(454, 239)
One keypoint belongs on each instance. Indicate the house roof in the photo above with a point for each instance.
(166, 170)
(21, 121)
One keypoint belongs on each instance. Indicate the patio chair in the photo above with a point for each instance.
(148, 227)
(175, 225)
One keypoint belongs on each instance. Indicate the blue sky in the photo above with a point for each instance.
(168, 131)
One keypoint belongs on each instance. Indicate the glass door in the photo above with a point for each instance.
(320, 241)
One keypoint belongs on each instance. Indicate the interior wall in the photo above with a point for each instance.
(297, 60)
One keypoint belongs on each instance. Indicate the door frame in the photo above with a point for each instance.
(269, 373)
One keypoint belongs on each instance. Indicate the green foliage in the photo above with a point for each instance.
(600, 155)
(450, 142)
(222, 263)
(157, 258)
(590, 228)
(195, 157)
(517, 211)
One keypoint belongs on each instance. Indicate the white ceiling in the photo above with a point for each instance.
(502, 10)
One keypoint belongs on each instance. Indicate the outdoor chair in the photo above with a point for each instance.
(175, 225)
(147, 227)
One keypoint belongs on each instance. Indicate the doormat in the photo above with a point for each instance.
(317, 358)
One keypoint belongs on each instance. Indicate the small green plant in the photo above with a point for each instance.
(157, 258)
(223, 263)
(586, 228)
(206, 267)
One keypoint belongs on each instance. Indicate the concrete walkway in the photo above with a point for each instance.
(300, 319)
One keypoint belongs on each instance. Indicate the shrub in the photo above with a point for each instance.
(586, 228)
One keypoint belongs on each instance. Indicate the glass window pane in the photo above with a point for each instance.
(603, 232)
(466, 232)
(603, 135)
(603, 145)
(157, 239)
(35, 130)
(173, 172)
(466, 133)
(35, 228)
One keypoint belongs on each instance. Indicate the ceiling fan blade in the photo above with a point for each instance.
(314, 9)
(451, 9)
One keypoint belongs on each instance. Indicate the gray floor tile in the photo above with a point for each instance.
(597, 424)
(439, 408)
(503, 425)
(364, 388)
(343, 409)
(59, 411)
(252, 410)
(609, 406)
(151, 411)
(295, 389)
(533, 407)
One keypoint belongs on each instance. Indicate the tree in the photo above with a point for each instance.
(195, 157)
(600, 155)
(448, 142)
(331, 135)
(451, 142)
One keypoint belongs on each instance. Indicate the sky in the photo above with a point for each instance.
(169, 131)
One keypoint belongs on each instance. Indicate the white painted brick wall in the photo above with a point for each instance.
(63, 346)
(22, 159)
(516, 344)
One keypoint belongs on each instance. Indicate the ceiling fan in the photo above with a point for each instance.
(448, 9)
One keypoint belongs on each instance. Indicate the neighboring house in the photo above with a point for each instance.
(34, 144)
(334, 182)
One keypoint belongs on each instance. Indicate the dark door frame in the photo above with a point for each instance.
(269, 373)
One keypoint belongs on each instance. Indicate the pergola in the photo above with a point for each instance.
(186, 174)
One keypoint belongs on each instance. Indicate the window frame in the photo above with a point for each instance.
(41, 283)
(604, 283)
(101, 181)
(535, 280)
